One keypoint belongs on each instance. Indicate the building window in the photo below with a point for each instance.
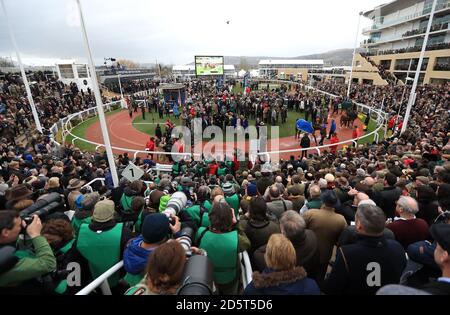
(66, 71)
(82, 71)
(442, 64)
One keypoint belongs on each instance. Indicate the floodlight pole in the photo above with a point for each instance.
(98, 101)
(22, 71)
(353, 58)
(412, 95)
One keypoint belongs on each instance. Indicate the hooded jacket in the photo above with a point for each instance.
(289, 282)
(135, 257)
(126, 199)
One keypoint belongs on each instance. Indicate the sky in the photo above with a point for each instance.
(174, 31)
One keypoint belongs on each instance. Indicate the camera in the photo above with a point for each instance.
(198, 277)
(185, 240)
(175, 204)
(45, 205)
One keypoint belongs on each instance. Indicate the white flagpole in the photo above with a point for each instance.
(98, 101)
(22, 70)
(353, 58)
(412, 95)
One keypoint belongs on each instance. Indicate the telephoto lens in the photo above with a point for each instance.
(185, 239)
(198, 277)
(176, 203)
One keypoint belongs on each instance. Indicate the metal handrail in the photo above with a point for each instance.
(246, 269)
(102, 281)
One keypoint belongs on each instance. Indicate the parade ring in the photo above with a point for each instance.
(125, 138)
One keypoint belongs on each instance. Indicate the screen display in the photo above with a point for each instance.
(209, 65)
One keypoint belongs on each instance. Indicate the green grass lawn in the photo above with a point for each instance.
(286, 129)
(80, 131)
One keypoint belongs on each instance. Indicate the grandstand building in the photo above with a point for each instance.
(185, 72)
(395, 40)
(284, 69)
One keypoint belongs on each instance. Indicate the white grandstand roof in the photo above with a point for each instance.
(291, 62)
(183, 68)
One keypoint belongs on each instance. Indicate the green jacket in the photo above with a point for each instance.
(39, 263)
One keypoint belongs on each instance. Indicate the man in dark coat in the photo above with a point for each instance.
(305, 143)
(389, 195)
(373, 261)
(305, 243)
(441, 234)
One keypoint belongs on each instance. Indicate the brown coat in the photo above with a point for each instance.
(328, 226)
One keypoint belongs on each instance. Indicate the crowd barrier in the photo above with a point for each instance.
(102, 280)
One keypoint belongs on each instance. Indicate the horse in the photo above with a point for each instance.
(347, 119)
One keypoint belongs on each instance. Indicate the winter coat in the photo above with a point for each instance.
(289, 282)
(328, 226)
(355, 264)
(389, 197)
(258, 232)
(135, 257)
(306, 248)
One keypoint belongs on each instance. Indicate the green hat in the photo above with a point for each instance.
(103, 211)
(163, 202)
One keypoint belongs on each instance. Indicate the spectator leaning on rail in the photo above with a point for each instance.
(373, 261)
(283, 276)
(156, 230)
(31, 262)
(222, 241)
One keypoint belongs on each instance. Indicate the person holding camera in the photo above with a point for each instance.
(156, 230)
(103, 241)
(164, 271)
(199, 211)
(30, 263)
(222, 240)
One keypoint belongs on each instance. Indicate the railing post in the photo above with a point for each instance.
(135, 155)
(318, 151)
(106, 290)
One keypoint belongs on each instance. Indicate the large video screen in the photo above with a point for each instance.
(209, 65)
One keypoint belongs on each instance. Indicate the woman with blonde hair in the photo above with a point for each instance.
(282, 276)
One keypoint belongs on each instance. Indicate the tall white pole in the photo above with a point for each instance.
(353, 58)
(412, 95)
(120, 87)
(98, 101)
(22, 70)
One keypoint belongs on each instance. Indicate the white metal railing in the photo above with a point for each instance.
(397, 20)
(246, 269)
(102, 281)
(381, 120)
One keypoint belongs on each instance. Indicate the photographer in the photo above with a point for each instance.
(164, 271)
(103, 241)
(32, 263)
(60, 236)
(156, 230)
(199, 211)
(222, 241)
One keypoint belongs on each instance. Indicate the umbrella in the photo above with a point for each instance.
(305, 126)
